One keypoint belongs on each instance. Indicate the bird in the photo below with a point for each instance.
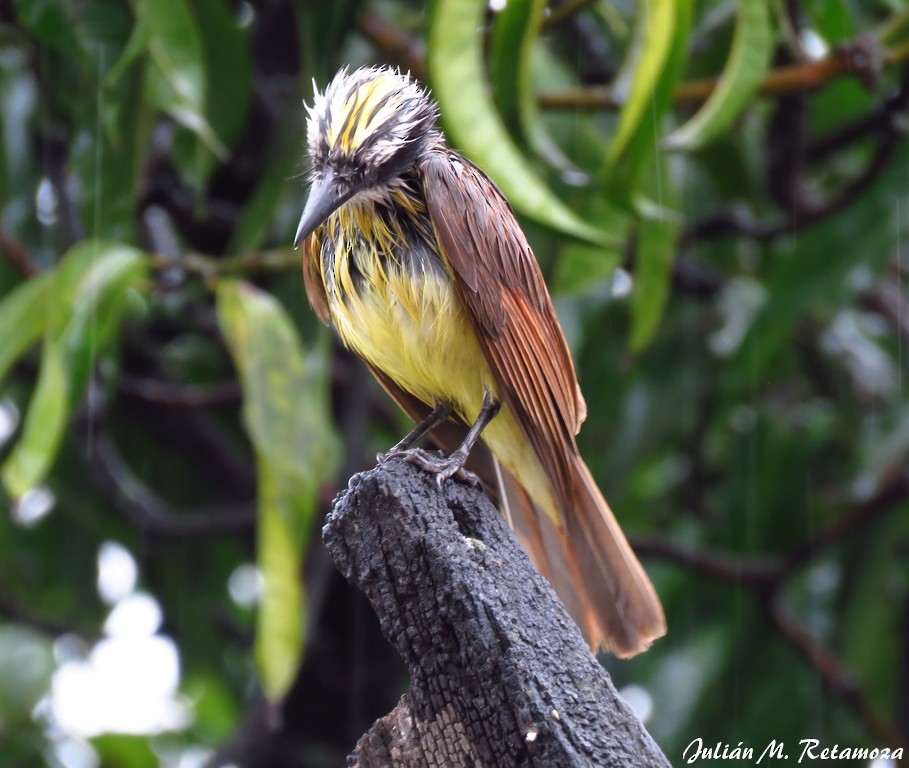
(416, 258)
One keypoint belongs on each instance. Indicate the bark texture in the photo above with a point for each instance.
(500, 675)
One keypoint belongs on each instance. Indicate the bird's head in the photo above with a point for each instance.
(364, 131)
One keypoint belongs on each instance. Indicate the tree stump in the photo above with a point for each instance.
(500, 675)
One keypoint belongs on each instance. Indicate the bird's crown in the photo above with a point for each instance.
(367, 117)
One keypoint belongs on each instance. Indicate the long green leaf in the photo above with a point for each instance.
(622, 176)
(285, 413)
(455, 64)
(647, 56)
(35, 451)
(749, 59)
(22, 315)
(177, 81)
(516, 29)
(228, 71)
(86, 301)
(657, 239)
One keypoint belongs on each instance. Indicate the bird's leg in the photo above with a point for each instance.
(435, 417)
(446, 467)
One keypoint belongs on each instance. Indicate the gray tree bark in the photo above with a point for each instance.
(500, 675)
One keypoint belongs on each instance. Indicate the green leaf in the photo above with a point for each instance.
(657, 239)
(622, 174)
(581, 266)
(516, 29)
(35, 451)
(22, 314)
(49, 21)
(285, 414)
(177, 81)
(86, 300)
(455, 64)
(748, 62)
(643, 67)
(258, 214)
(227, 67)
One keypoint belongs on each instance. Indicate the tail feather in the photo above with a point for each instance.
(589, 564)
(628, 615)
(546, 544)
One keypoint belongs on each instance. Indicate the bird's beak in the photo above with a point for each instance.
(325, 196)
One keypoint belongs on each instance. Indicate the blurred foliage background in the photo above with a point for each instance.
(718, 193)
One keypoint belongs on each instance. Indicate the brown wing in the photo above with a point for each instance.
(503, 290)
(312, 278)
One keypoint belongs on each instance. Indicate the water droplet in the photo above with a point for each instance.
(46, 203)
(76, 753)
(813, 45)
(245, 585)
(137, 615)
(33, 506)
(69, 647)
(9, 419)
(743, 418)
(195, 756)
(738, 303)
(117, 572)
(575, 178)
(622, 284)
(246, 15)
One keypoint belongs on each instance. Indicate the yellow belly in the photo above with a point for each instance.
(416, 332)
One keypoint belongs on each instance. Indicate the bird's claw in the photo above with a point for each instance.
(443, 467)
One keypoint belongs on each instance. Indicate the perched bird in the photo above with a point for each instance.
(416, 258)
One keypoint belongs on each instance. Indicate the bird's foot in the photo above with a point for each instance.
(436, 463)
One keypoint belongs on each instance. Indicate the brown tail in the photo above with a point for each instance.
(590, 565)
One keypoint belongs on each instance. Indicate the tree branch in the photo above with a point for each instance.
(861, 58)
(500, 675)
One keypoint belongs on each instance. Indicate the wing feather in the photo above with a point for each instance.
(508, 304)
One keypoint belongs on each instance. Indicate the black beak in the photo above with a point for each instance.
(325, 196)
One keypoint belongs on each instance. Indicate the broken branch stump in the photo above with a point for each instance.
(500, 675)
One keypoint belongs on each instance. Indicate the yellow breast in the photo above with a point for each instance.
(411, 325)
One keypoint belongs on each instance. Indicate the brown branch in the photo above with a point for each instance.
(17, 256)
(888, 497)
(209, 269)
(835, 676)
(139, 503)
(739, 222)
(395, 46)
(726, 566)
(177, 395)
(861, 59)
